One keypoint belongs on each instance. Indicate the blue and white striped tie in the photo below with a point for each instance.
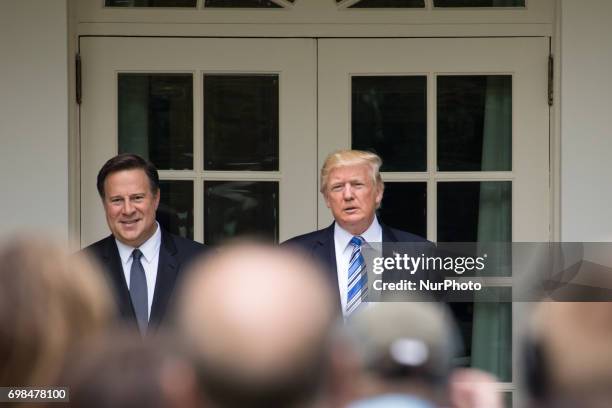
(357, 277)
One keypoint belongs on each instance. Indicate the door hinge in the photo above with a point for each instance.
(551, 66)
(79, 95)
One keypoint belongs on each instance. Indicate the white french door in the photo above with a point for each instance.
(239, 128)
(230, 123)
(462, 125)
(474, 109)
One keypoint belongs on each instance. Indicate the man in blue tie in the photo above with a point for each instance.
(353, 189)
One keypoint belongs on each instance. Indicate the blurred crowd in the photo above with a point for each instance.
(257, 326)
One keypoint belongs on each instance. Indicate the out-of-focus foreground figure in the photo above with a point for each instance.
(49, 301)
(568, 355)
(257, 320)
(121, 370)
(406, 351)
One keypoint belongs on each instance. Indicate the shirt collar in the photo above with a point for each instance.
(149, 248)
(372, 234)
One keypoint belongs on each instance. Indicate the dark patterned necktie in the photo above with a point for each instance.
(138, 291)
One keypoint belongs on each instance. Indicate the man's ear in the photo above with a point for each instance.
(156, 198)
(326, 199)
(379, 194)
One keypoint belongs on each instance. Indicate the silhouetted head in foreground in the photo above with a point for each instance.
(406, 351)
(257, 320)
(49, 301)
(123, 370)
(568, 357)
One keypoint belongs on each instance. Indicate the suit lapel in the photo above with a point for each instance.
(117, 277)
(324, 249)
(388, 237)
(387, 234)
(166, 278)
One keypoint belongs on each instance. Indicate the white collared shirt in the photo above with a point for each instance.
(149, 260)
(342, 238)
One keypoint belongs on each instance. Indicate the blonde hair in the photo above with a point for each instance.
(49, 301)
(342, 158)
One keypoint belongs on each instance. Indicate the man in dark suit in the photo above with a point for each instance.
(143, 262)
(353, 189)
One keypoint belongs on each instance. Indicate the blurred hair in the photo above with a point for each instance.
(343, 158)
(128, 161)
(49, 300)
(407, 344)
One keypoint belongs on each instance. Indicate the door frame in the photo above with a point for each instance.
(293, 59)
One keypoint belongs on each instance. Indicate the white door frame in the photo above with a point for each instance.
(293, 59)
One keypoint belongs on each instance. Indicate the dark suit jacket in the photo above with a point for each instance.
(321, 246)
(174, 254)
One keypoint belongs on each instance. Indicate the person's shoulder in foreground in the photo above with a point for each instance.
(392, 401)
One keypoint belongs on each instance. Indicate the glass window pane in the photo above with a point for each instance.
(404, 207)
(241, 3)
(474, 123)
(241, 122)
(507, 398)
(156, 118)
(175, 211)
(150, 3)
(479, 3)
(463, 312)
(389, 3)
(389, 116)
(475, 211)
(236, 208)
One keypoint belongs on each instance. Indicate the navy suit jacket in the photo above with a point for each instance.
(321, 246)
(175, 253)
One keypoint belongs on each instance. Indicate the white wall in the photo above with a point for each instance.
(33, 116)
(586, 120)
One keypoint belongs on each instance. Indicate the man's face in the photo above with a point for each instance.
(130, 206)
(353, 197)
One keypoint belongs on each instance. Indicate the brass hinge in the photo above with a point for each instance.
(79, 95)
(551, 95)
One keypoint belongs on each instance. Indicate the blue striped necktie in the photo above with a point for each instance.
(357, 277)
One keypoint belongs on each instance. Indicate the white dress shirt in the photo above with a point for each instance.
(149, 260)
(342, 239)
